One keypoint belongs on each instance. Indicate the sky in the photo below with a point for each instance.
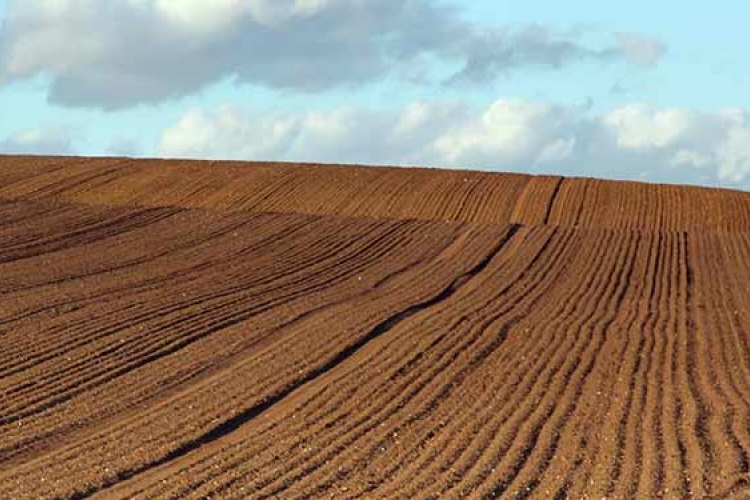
(652, 91)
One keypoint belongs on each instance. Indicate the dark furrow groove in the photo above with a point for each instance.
(552, 199)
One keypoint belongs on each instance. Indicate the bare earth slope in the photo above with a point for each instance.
(226, 330)
(375, 192)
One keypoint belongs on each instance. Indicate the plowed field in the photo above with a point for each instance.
(174, 329)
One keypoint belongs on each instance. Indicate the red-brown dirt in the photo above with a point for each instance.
(178, 329)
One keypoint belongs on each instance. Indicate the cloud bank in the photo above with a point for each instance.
(629, 142)
(119, 53)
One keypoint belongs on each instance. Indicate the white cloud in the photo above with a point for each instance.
(628, 142)
(119, 53)
(206, 18)
(203, 134)
(734, 155)
(643, 127)
(48, 140)
(201, 17)
(508, 131)
(341, 135)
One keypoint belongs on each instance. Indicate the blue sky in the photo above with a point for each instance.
(631, 90)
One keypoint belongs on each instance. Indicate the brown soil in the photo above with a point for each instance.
(225, 330)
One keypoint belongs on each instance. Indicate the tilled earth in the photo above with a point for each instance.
(225, 330)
